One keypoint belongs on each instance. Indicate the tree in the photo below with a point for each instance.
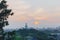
(4, 14)
(11, 35)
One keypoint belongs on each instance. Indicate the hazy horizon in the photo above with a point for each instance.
(36, 13)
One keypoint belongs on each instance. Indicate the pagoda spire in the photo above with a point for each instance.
(26, 25)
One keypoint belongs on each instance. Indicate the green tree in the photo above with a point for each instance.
(4, 14)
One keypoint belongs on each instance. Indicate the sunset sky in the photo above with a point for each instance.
(36, 13)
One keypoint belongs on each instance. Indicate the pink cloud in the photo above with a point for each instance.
(23, 12)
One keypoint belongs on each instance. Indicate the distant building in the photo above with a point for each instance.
(58, 36)
(52, 36)
(26, 26)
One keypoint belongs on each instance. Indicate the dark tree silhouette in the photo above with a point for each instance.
(4, 14)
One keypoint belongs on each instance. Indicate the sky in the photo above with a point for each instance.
(36, 13)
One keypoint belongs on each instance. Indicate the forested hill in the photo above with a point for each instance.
(32, 32)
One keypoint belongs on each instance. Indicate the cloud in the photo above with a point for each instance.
(51, 16)
(19, 8)
(39, 14)
(24, 13)
(28, 16)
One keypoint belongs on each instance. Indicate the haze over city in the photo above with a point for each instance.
(36, 13)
